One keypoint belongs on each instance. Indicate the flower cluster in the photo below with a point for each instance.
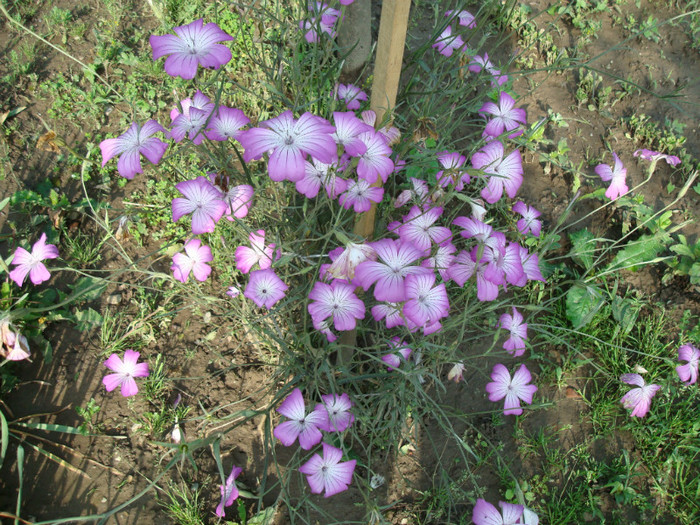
(322, 19)
(485, 513)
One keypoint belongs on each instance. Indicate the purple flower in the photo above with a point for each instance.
(515, 344)
(529, 222)
(360, 195)
(391, 312)
(462, 268)
(419, 228)
(654, 156)
(312, 28)
(616, 174)
(425, 304)
(195, 45)
(229, 491)
(265, 288)
(327, 472)
(350, 94)
(233, 291)
(348, 129)
(478, 63)
(466, 19)
(506, 171)
(126, 371)
(442, 260)
(514, 390)
(638, 399)
(30, 263)
(135, 142)
(203, 201)
(375, 160)
(317, 174)
(336, 300)
(289, 141)
(399, 353)
(258, 253)
(238, 199)
(688, 373)
(486, 514)
(195, 112)
(446, 44)
(335, 410)
(226, 124)
(505, 116)
(299, 424)
(452, 174)
(194, 260)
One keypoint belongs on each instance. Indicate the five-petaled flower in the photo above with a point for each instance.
(337, 301)
(514, 390)
(299, 424)
(125, 372)
(203, 200)
(638, 399)
(229, 491)
(327, 472)
(194, 260)
(486, 514)
(136, 141)
(617, 175)
(265, 288)
(30, 263)
(688, 373)
(335, 410)
(515, 344)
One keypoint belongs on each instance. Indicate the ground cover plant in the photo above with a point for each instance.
(241, 355)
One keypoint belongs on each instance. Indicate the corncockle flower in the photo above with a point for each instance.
(395, 262)
(125, 372)
(399, 352)
(515, 344)
(505, 116)
(506, 171)
(312, 28)
(327, 472)
(447, 43)
(442, 260)
(486, 514)
(195, 112)
(238, 200)
(478, 210)
(350, 94)
(529, 517)
(203, 201)
(265, 288)
(638, 399)
(452, 174)
(617, 174)
(198, 101)
(229, 491)
(360, 195)
(514, 390)
(425, 303)
(389, 132)
(299, 424)
(226, 124)
(336, 300)
(335, 410)
(348, 129)
(136, 141)
(652, 156)
(289, 141)
(258, 253)
(391, 312)
(328, 15)
(466, 19)
(477, 63)
(503, 262)
(194, 260)
(462, 268)
(456, 373)
(233, 291)
(318, 174)
(17, 346)
(375, 160)
(688, 373)
(473, 227)
(529, 222)
(418, 228)
(344, 264)
(31, 263)
(324, 327)
(531, 265)
(195, 45)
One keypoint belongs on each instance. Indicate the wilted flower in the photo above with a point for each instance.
(229, 491)
(456, 372)
(343, 267)
(617, 175)
(638, 399)
(688, 373)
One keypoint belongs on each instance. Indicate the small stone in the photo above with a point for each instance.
(114, 299)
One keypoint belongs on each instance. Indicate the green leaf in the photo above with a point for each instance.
(643, 250)
(87, 319)
(583, 248)
(4, 437)
(264, 517)
(582, 303)
(88, 288)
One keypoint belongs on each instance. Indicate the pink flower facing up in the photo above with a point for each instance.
(399, 354)
(688, 373)
(289, 141)
(452, 174)
(515, 344)
(360, 195)
(466, 19)
(229, 491)
(514, 390)
(530, 221)
(442, 260)
(131, 145)
(506, 117)
(190, 123)
(258, 253)
(655, 156)
(265, 288)
(226, 124)
(447, 43)
(299, 424)
(506, 172)
(196, 44)
(203, 201)
(426, 304)
(617, 175)
(31, 263)
(336, 300)
(638, 399)
(419, 228)
(125, 372)
(348, 129)
(327, 473)
(486, 514)
(335, 410)
(375, 160)
(350, 94)
(194, 260)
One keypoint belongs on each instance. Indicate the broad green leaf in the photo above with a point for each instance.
(264, 517)
(643, 250)
(582, 303)
(87, 319)
(89, 288)
(583, 247)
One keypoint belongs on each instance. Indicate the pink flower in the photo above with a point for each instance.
(336, 300)
(317, 174)
(616, 174)
(514, 390)
(299, 424)
(335, 410)
(452, 173)
(233, 291)
(419, 228)
(638, 399)
(238, 199)
(327, 472)
(195, 112)
(360, 195)
(350, 94)
(30, 263)
(654, 156)
(505, 116)
(478, 63)
(529, 222)
(442, 260)
(258, 253)
(466, 19)
(506, 171)
(195, 45)
(688, 373)
(229, 491)
(226, 124)
(375, 160)
(486, 514)
(425, 303)
(348, 129)
(13, 345)
(391, 312)
(446, 44)
(126, 371)
(203, 201)
(265, 288)
(515, 344)
(399, 353)
(136, 141)
(194, 260)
